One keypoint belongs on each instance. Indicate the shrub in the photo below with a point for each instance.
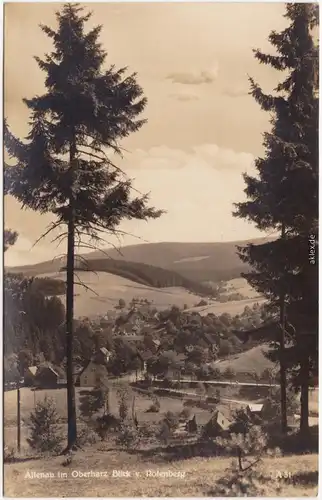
(229, 374)
(253, 444)
(123, 401)
(153, 408)
(122, 303)
(241, 423)
(8, 454)
(224, 347)
(128, 436)
(91, 402)
(201, 391)
(185, 413)
(244, 479)
(172, 420)
(106, 423)
(250, 483)
(146, 430)
(215, 373)
(167, 382)
(202, 303)
(45, 432)
(86, 436)
(165, 432)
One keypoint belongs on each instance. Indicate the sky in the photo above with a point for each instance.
(203, 130)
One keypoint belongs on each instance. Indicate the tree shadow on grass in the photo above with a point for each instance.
(172, 453)
(17, 460)
(308, 478)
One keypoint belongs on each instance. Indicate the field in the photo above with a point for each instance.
(109, 288)
(241, 286)
(28, 399)
(252, 360)
(195, 477)
(152, 473)
(232, 307)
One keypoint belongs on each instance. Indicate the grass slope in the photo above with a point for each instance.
(252, 360)
(106, 289)
(232, 307)
(197, 476)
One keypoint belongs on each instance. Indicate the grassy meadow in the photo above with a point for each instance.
(195, 477)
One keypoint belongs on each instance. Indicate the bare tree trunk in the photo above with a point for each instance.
(71, 406)
(282, 357)
(304, 378)
(18, 419)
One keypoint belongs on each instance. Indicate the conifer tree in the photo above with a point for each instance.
(283, 197)
(45, 431)
(9, 239)
(65, 167)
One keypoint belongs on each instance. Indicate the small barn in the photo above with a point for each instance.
(255, 409)
(50, 377)
(218, 425)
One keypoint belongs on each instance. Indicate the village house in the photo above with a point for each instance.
(174, 372)
(95, 369)
(91, 374)
(144, 356)
(50, 377)
(211, 342)
(157, 344)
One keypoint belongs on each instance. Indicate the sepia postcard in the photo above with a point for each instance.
(160, 242)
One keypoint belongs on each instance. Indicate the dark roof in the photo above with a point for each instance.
(220, 418)
(79, 373)
(175, 355)
(129, 338)
(210, 338)
(145, 355)
(32, 369)
(57, 370)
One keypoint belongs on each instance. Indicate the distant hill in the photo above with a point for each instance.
(197, 262)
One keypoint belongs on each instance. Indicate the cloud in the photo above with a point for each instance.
(184, 97)
(197, 188)
(23, 252)
(210, 155)
(194, 77)
(236, 91)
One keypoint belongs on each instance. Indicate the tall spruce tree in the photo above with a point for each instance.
(283, 197)
(64, 167)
